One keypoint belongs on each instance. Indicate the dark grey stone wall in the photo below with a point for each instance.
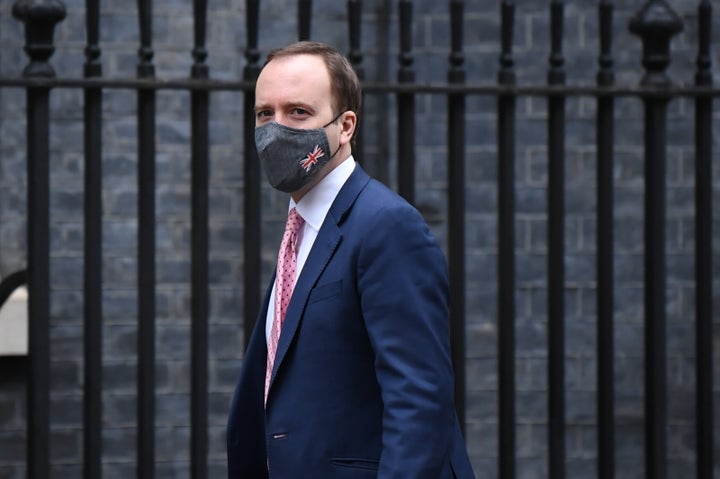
(172, 38)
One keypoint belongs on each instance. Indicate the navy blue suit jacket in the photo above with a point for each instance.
(362, 385)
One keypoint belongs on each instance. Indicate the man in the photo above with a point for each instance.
(348, 372)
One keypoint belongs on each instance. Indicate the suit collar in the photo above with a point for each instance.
(348, 194)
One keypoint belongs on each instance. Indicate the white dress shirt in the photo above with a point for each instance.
(313, 207)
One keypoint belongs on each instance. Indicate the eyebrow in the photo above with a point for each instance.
(298, 104)
(257, 108)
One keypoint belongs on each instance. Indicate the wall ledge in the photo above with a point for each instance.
(14, 324)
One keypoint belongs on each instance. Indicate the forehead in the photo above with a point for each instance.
(294, 79)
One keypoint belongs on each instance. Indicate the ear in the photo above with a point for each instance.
(348, 123)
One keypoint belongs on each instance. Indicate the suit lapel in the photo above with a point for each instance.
(326, 243)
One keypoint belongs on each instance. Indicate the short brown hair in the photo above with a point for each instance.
(344, 83)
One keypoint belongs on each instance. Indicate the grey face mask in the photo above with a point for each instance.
(292, 156)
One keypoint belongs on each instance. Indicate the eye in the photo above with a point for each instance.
(263, 116)
(299, 112)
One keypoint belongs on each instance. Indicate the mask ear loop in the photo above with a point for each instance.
(333, 120)
(330, 123)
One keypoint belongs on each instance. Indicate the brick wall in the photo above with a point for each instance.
(172, 40)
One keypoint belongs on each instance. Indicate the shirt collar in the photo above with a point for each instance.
(314, 206)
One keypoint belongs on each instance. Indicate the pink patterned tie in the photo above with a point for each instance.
(284, 285)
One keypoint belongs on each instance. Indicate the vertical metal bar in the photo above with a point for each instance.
(655, 272)
(456, 206)
(655, 23)
(304, 19)
(92, 432)
(252, 229)
(556, 251)
(355, 56)
(146, 251)
(605, 140)
(39, 20)
(406, 107)
(381, 123)
(38, 233)
(506, 250)
(703, 249)
(199, 266)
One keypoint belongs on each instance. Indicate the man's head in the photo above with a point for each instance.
(309, 85)
(344, 83)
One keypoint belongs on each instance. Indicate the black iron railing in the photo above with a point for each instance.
(655, 23)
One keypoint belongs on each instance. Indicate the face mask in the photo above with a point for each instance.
(292, 156)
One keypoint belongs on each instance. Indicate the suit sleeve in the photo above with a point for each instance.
(403, 285)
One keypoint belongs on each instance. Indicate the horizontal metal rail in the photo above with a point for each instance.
(374, 87)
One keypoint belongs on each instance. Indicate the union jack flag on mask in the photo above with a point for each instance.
(312, 158)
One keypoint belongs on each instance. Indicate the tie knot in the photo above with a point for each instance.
(294, 221)
(292, 228)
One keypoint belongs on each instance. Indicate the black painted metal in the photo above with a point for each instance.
(355, 56)
(371, 87)
(146, 251)
(556, 251)
(252, 227)
(605, 141)
(703, 250)
(406, 107)
(40, 21)
(92, 386)
(38, 393)
(199, 100)
(506, 250)
(456, 206)
(655, 23)
(304, 19)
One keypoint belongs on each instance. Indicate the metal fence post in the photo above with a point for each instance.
(252, 200)
(146, 120)
(356, 60)
(199, 100)
(655, 23)
(40, 20)
(506, 138)
(92, 278)
(605, 141)
(703, 249)
(456, 206)
(406, 107)
(556, 248)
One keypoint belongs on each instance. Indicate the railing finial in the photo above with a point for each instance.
(40, 18)
(656, 23)
(199, 53)
(506, 75)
